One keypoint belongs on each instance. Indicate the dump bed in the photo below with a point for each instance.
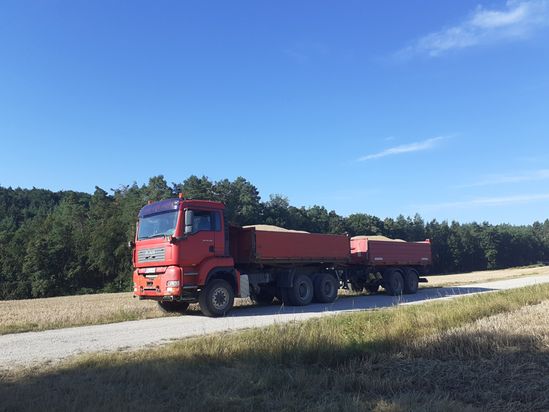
(253, 246)
(390, 252)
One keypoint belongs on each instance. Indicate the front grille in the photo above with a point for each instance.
(151, 255)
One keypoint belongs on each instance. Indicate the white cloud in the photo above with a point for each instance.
(531, 176)
(518, 19)
(405, 148)
(488, 201)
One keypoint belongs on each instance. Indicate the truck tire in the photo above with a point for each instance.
(264, 297)
(173, 306)
(217, 298)
(411, 281)
(393, 282)
(301, 293)
(325, 288)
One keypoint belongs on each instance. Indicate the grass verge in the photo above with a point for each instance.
(436, 356)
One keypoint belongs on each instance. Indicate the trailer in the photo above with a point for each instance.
(185, 253)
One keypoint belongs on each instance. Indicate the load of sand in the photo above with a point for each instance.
(272, 228)
(384, 238)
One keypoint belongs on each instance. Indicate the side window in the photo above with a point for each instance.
(202, 221)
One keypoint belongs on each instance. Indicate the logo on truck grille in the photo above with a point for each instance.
(151, 255)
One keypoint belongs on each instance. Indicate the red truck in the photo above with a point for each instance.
(184, 253)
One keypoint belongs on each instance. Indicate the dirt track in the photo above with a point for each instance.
(26, 349)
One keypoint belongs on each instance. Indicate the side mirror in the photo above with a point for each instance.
(131, 244)
(189, 215)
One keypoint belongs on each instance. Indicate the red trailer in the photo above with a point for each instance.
(253, 245)
(184, 253)
(380, 251)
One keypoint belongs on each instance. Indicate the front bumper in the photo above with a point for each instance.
(163, 283)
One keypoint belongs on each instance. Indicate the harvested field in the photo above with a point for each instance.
(482, 352)
(483, 276)
(61, 312)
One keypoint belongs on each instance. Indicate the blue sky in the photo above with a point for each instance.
(391, 107)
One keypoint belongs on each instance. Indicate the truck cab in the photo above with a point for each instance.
(180, 252)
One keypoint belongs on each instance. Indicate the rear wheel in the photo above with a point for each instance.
(173, 306)
(393, 282)
(217, 298)
(301, 293)
(411, 279)
(325, 288)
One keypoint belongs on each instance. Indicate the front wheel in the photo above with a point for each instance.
(217, 298)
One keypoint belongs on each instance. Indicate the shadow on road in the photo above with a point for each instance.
(351, 303)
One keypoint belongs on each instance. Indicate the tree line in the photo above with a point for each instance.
(60, 243)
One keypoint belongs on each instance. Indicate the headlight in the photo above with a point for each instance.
(172, 283)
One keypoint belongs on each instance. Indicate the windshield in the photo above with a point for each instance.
(160, 224)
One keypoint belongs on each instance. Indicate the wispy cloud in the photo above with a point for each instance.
(530, 176)
(488, 201)
(406, 148)
(517, 20)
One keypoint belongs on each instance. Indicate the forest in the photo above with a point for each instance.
(62, 243)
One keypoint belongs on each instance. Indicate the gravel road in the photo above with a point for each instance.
(27, 349)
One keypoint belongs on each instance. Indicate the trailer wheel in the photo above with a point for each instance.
(411, 279)
(173, 306)
(264, 297)
(393, 282)
(217, 298)
(301, 293)
(325, 288)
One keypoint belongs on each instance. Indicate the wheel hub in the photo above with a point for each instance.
(220, 298)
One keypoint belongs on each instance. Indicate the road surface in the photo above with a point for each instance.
(30, 348)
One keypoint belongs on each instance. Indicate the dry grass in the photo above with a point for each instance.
(61, 312)
(485, 352)
(484, 276)
(66, 311)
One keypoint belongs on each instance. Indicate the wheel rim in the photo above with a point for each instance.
(220, 298)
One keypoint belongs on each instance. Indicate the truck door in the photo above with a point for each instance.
(200, 243)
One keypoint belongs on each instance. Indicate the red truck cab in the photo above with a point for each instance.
(180, 246)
